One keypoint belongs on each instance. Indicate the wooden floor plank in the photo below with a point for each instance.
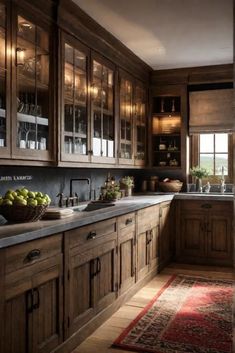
(101, 340)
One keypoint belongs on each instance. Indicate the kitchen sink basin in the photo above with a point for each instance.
(92, 207)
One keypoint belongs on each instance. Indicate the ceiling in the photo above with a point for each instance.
(169, 34)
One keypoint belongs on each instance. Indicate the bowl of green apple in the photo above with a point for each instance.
(23, 205)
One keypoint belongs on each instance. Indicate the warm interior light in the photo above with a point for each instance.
(20, 56)
(94, 91)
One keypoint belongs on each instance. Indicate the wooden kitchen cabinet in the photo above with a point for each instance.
(75, 125)
(204, 232)
(133, 121)
(91, 281)
(33, 296)
(126, 251)
(147, 240)
(32, 87)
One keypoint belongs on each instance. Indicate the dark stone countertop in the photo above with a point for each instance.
(11, 234)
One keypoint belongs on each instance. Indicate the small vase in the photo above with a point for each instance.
(199, 185)
(128, 191)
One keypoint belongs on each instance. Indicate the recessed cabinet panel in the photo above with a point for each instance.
(102, 114)
(126, 120)
(74, 102)
(140, 125)
(32, 77)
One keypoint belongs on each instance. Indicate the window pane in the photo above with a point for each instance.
(206, 161)
(221, 143)
(221, 160)
(206, 143)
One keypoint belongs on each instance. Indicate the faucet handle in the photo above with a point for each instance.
(61, 196)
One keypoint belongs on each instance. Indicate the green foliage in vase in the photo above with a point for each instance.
(199, 173)
(127, 181)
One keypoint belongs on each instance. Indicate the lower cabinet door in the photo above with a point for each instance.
(219, 238)
(153, 247)
(126, 264)
(33, 310)
(192, 237)
(80, 287)
(165, 246)
(17, 320)
(105, 281)
(48, 308)
(143, 254)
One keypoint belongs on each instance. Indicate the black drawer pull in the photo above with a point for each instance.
(34, 254)
(37, 304)
(206, 205)
(91, 235)
(129, 221)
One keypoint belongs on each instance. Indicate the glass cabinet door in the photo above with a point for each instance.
(32, 88)
(126, 122)
(102, 95)
(140, 124)
(4, 121)
(75, 123)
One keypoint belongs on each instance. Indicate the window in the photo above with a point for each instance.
(213, 151)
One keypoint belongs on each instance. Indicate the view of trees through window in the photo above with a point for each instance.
(213, 153)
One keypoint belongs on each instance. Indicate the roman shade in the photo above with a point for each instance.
(211, 111)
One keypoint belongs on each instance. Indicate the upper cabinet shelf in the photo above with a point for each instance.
(166, 105)
(166, 132)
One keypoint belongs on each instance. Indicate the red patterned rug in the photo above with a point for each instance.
(190, 314)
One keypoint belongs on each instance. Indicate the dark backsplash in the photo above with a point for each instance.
(55, 180)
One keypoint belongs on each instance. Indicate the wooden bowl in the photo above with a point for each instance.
(172, 186)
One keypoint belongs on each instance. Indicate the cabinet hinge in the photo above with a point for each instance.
(68, 275)
(160, 212)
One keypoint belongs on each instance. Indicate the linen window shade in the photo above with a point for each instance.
(211, 111)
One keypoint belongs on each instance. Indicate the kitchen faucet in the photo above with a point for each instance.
(80, 179)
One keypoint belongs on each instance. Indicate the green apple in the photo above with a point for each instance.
(7, 202)
(32, 202)
(24, 192)
(40, 200)
(14, 193)
(9, 196)
(20, 202)
(31, 194)
(48, 199)
(39, 194)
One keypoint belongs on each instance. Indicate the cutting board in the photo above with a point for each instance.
(57, 213)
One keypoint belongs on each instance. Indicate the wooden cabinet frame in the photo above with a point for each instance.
(65, 157)
(30, 154)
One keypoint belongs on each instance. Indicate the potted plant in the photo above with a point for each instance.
(199, 173)
(127, 183)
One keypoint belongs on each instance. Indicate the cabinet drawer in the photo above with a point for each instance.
(20, 256)
(126, 222)
(203, 206)
(85, 235)
(147, 218)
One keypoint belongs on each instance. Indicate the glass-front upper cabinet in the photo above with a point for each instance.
(4, 86)
(140, 121)
(126, 120)
(32, 69)
(102, 111)
(75, 139)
